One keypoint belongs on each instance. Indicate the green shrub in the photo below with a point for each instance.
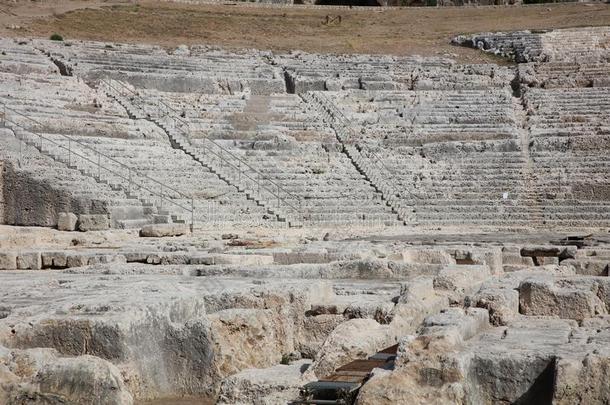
(56, 37)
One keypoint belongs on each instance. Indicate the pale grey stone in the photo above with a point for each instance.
(66, 221)
(164, 230)
(93, 223)
(8, 260)
(29, 261)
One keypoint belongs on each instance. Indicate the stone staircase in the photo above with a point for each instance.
(370, 165)
(228, 167)
(125, 208)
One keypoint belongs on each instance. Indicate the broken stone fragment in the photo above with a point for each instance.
(66, 221)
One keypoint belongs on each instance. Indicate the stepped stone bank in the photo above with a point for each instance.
(249, 227)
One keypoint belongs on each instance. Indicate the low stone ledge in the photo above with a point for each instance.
(163, 230)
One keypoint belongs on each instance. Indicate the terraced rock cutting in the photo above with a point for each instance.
(199, 225)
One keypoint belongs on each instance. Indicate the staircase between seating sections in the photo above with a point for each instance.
(286, 206)
(102, 168)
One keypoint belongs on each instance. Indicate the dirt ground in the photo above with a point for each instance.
(400, 31)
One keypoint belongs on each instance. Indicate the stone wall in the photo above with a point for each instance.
(31, 202)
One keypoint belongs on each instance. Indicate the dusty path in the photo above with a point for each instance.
(21, 13)
(424, 31)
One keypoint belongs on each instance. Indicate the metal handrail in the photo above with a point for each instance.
(349, 140)
(260, 176)
(186, 123)
(98, 162)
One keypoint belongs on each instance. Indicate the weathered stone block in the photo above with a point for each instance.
(544, 297)
(8, 261)
(543, 261)
(66, 221)
(453, 326)
(461, 279)
(562, 252)
(515, 259)
(356, 338)
(54, 259)
(93, 223)
(103, 259)
(315, 331)
(589, 266)
(429, 256)
(502, 304)
(29, 261)
(206, 260)
(419, 288)
(77, 260)
(275, 385)
(572, 375)
(163, 230)
(320, 256)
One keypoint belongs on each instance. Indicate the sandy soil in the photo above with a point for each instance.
(401, 31)
(181, 401)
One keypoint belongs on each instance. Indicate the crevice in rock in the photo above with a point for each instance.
(290, 85)
(64, 69)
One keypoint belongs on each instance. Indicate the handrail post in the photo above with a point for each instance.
(69, 152)
(99, 166)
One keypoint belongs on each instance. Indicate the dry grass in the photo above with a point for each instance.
(424, 31)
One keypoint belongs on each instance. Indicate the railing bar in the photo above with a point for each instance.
(160, 101)
(69, 138)
(376, 159)
(186, 123)
(141, 186)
